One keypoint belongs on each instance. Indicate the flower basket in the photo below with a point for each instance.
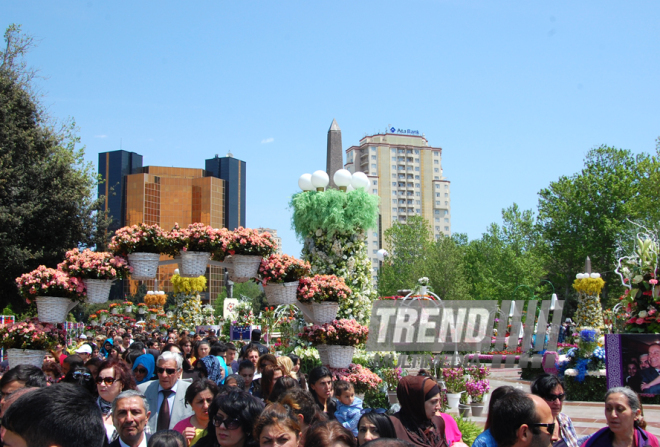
(193, 263)
(103, 317)
(115, 311)
(153, 316)
(323, 354)
(323, 288)
(53, 309)
(145, 265)
(142, 310)
(245, 267)
(340, 356)
(325, 312)
(98, 290)
(94, 265)
(25, 357)
(128, 309)
(283, 293)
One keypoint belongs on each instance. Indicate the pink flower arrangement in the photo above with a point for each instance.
(94, 265)
(339, 332)
(476, 389)
(198, 237)
(322, 288)
(282, 268)
(362, 378)
(30, 334)
(454, 379)
(246, 241)
(140, 238)
(50, 282)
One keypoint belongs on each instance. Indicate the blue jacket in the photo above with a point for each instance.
(349, 415)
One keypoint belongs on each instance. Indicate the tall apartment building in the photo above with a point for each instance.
(406, 173)
(166, 196)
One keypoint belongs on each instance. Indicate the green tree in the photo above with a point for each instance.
(47, 190)
(505, 257)
(414, 254)
(585, 214)
(248, 289)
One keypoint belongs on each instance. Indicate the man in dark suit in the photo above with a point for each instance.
(255, 339)
(166, 396)
(653, 372)
(130, 414)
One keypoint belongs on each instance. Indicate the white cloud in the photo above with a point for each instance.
(267, 140)
(100, 136)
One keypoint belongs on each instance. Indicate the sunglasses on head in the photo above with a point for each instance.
(374, 410)
(169, 371)
(553, 397)
(230, 424)
(82, 375)
(140, 371)
(551, 426)
(106, 380)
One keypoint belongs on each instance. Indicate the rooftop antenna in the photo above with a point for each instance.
(120, 144)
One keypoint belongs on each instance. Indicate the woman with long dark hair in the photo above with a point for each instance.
(320, 386)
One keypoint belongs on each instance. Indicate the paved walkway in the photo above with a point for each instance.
(588, 417)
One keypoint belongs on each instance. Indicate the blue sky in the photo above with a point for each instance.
(515, 92)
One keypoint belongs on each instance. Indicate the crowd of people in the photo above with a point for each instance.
(179, 390)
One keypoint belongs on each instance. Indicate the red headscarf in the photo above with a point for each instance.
(413, 392)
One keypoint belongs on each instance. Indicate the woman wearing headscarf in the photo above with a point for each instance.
(416, 422)
(105, 348)
(211, 369)
(143, 368)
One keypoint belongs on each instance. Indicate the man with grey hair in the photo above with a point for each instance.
(130, 414)
(166, 396)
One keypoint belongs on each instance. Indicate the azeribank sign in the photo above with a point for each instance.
(452, 326)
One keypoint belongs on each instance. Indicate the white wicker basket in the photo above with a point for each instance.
(52, 309)
(25, 357)
(284, 293)
(145, 265)
(98, 290)
(340, 356)
(193, 263)
(323, 354)
(325, 312)
(245, 267)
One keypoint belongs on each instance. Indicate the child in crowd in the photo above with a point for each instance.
(349, 408)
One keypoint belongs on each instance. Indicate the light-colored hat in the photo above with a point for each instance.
(84, 349)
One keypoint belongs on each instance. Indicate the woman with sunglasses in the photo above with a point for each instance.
(374, 424)
(113, 378)
(231, 421)
(143, 368)
(199, 396)
(82, 377)
(550, 389)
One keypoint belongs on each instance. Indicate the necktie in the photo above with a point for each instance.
(164, 412)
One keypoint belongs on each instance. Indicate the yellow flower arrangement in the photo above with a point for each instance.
(155, 300)
(589, 286)
(188, 286)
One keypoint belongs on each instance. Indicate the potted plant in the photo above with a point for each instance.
(391, 377)
(142, 244)
(103, 315)
(247, 247)
(98, 270)
(142, 308)
(55, 292)
(280, 276)
(196, 244)
(27, 342)
(454, 379)
(477, 389)
(153, 313)
(128, 306)
(93, 320)
(115, 308)
(324, 293)
(340, 337)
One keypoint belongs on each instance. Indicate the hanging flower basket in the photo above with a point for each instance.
(282, 293)
(340, 356)
(323, 354)
(53, 309)
(98, 290)
(145, 265)
(193, 263)
(25, 357)
(325, 312)
(245, 267)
